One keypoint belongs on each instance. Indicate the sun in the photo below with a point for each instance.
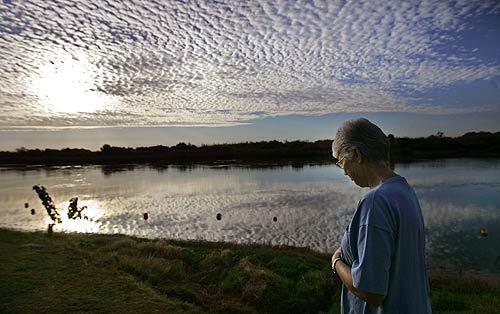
(66, 84)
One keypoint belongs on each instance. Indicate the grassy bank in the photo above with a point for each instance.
(103, 273)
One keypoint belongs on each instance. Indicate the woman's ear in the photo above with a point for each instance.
(358, 156)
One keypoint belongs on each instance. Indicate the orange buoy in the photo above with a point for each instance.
(484, 232)
(219, 216)
(145, 216)
(275, 219)
(26, 205)
(33, 211)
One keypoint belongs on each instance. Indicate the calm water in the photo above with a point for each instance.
(312, 204)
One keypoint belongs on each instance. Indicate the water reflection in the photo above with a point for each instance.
(93, 212)
(108, 170)
(311, 204)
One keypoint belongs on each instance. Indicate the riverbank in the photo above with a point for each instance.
(115, 273)
(403, 149)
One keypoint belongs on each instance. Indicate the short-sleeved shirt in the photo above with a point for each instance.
(385, 246)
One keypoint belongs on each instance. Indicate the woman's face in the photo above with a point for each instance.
(354, 166)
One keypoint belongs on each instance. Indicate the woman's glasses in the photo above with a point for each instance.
(339, 162)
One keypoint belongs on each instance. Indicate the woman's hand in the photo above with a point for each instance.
(337, 254)
(344, 272)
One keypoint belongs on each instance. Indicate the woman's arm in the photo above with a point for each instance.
(344, 272)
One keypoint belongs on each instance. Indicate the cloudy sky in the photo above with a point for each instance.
(136, 73)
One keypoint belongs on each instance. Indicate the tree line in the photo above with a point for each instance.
(472, 144)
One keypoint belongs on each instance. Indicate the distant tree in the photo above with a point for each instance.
(105, 148)
(391, 138)
(21, 149)
(183, 145)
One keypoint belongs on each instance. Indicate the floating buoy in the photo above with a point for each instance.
(26, 205)
(219, 216)
(275, 219)
(33, 211)
(145, 216)
(484, 232)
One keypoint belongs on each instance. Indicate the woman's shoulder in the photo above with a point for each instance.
(376, 208)
(368, 203)
(374, 195)
(387, 189)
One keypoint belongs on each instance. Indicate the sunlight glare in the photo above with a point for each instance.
(93, 212)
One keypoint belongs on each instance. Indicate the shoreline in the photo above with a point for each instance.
(224, 163)
(437, 270)
(403, 149)
(261, 162)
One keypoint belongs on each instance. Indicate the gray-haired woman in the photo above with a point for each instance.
(381, 259)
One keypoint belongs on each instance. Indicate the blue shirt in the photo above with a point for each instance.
(385, 246)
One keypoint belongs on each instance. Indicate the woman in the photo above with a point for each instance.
(381, 259)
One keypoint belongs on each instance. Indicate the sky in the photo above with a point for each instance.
(140, 73)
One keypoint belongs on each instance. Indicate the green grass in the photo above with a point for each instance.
(113, 273)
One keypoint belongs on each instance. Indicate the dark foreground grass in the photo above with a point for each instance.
(120, 274)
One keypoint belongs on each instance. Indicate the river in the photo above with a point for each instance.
(306, 205)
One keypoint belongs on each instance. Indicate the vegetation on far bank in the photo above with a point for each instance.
(403, 149)
(114, 273)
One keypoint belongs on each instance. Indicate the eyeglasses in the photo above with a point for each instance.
(339, 162)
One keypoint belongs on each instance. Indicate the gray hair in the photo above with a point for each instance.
(365, 136)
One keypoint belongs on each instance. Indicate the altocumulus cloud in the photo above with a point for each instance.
(161, 63)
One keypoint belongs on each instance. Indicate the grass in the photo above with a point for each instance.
(115, 273)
